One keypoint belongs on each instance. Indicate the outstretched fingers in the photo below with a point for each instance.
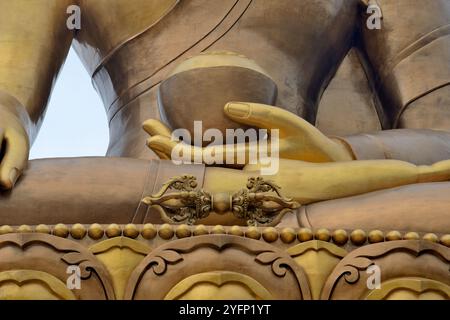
(299, 139)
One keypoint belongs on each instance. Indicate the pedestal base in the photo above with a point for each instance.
(198, 262)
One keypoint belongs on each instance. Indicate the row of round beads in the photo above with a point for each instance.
(287, 235)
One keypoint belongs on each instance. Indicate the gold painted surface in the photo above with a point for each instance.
(218, 59)
(120, 256)
(32, 285)
(120, 242)
(218, 285)
(411, 289)
(404, 294)
(318, 259)
(323, 165)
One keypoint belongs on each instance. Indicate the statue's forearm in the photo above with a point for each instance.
(418, 146)
(34, 41)
(313, 182)
(88, 190)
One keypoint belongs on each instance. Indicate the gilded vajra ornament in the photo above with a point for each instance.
(261, 203)
(186, 205)
(256, 205)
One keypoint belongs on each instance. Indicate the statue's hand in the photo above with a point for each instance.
(14, 148)
(299, 140)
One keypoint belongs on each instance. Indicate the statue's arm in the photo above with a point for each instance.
(308, 182)
(110, 189)
(34, 42)
(409, 60)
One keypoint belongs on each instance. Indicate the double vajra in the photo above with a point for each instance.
(260, 203)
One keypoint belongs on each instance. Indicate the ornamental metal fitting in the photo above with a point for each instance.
(261, 203)
(184, 206)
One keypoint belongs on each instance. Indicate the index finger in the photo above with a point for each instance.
(156, 128)
(269, 117)
(14, 160)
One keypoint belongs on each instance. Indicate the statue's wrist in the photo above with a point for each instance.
(14, 108)
(345, 147)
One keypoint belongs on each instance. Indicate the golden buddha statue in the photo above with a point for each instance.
(363, 115)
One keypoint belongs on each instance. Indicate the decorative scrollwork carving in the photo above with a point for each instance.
(407, 259)
(260, 203)
(38, 252)
(175, 261)
(160, 261)
(279, 264)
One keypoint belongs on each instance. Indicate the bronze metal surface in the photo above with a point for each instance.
(129, 48)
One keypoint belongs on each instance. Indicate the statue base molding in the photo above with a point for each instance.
(217, 262)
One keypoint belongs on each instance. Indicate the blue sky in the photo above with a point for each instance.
(75, 124)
